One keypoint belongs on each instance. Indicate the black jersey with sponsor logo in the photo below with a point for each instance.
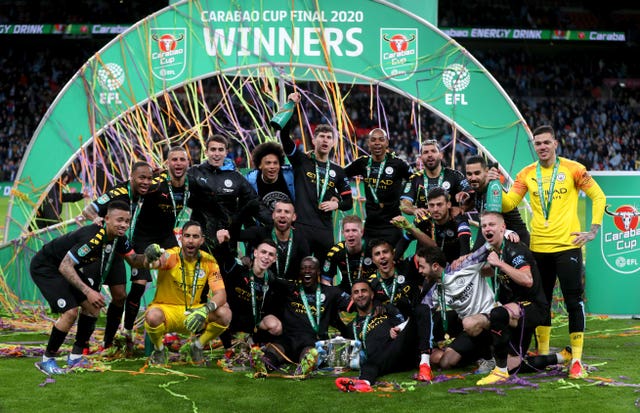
(85, 246)
(519, 256)
(163, 203)
(385, 179)
(297, 321)
(351, 266)
(316, 182)
(416, 190)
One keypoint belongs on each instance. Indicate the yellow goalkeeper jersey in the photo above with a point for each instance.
(554, 234)
(176, 283)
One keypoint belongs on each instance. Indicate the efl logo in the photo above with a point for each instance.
(167, 48)
(398, 52)
(111, 77)
(456, 78)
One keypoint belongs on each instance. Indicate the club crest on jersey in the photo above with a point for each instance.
(561, 177)
(332, 173)
(446, 185)
(200, 274)
(322, 298)
(62, 303)
(401, 279)
(108, 248)
(388, 170)
(228, 183)
(367, 261)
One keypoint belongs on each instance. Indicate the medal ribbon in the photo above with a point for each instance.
(321, 192)
(194, 281)
(374, 190)
(134, 210)
(442, 297)
(546, 207)
(363, 331)
(315, 324)
(287, 258)
(346, 252)
(384, 286)
(106, 267)
(254, 305)
(173, 200)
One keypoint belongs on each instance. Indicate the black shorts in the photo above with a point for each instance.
(59, 293)
(471, 348)
(521, 335)
(141, 273)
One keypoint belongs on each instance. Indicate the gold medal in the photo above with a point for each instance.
(381, 205)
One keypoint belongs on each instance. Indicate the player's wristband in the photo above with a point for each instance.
(212, 306)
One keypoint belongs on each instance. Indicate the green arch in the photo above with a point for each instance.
(192, 40)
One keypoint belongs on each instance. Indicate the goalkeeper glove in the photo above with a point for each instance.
(196, 321)
(153, 252)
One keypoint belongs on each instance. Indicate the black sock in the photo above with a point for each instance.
(532, 364)
(133, 305)
(56, 338)
(114, 313)
(226, 337)
(86, 325)
(500, 335)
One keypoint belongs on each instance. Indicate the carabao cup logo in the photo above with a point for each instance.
(398, 52)
(620, 236)
(167, 48)
(625, 217)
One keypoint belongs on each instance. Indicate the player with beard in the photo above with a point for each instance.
(397, 284)
(434, 174)
(161, 219)
(132, 192)
(69, 272)
(351, 256)
(308, 309)
(248, 295)
(476, 170)
(176, 307)
(389, 343)
(451, 234)
(556, 239)
(321, 186)
(291, 247)
(271, 178)
(383, 174)
(465, 290)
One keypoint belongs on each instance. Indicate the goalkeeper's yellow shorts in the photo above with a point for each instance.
(174, 316)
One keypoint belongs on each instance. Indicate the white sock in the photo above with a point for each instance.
(199, 344)
(160, 347)
(74, 356)
(425, 359)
